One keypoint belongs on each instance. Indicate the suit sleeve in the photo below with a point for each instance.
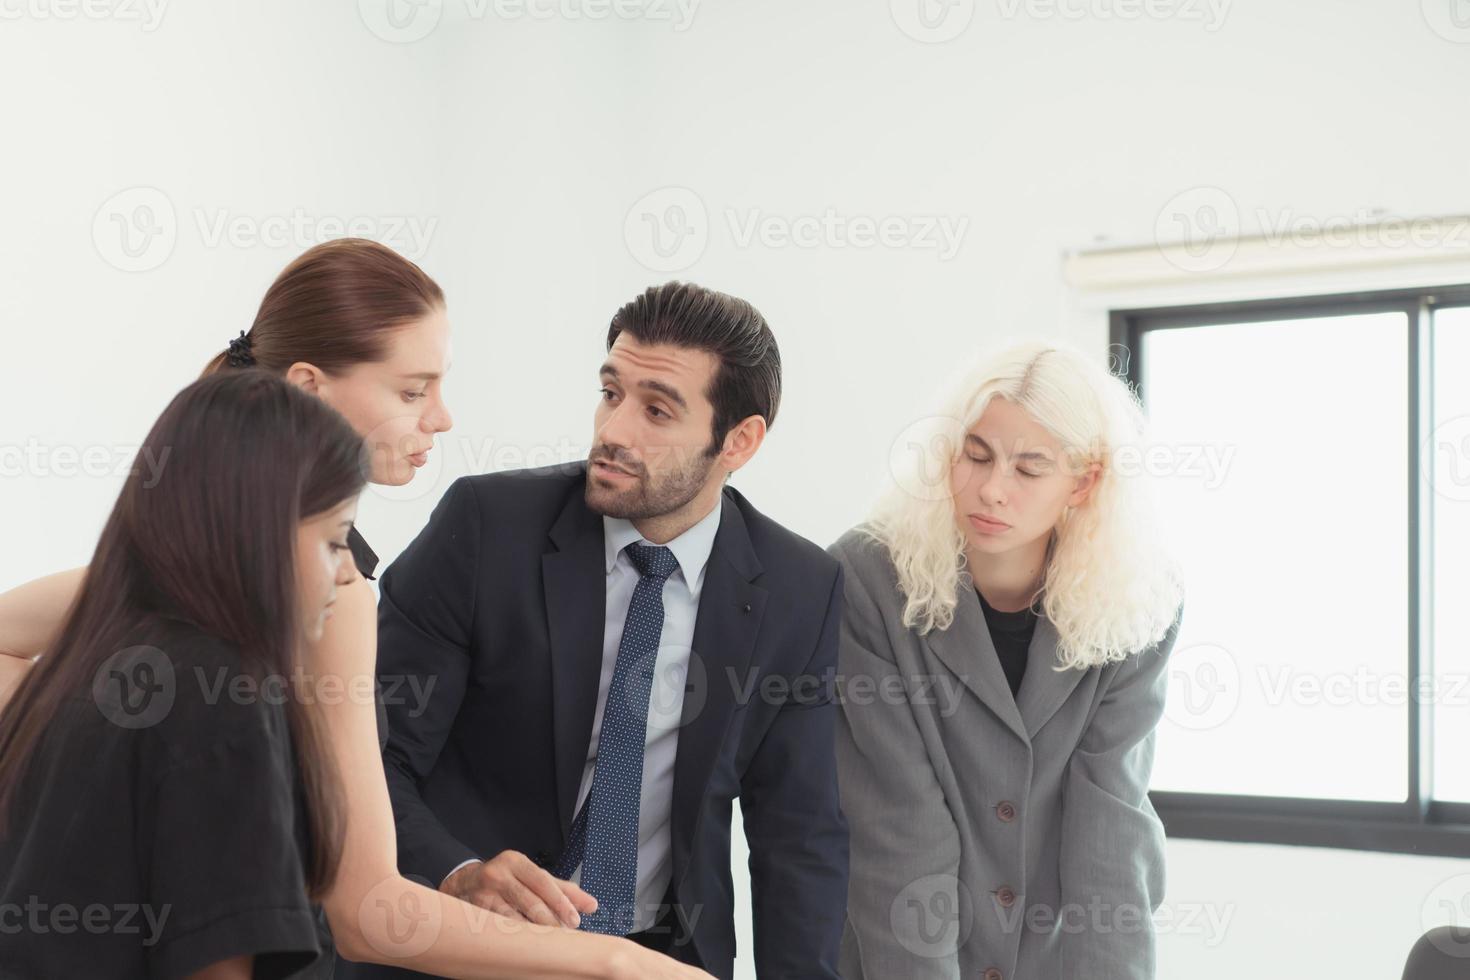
(904, 914)
(1112, 846)
(425, 616)
(794, 824)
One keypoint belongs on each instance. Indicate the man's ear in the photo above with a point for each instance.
(742, 441)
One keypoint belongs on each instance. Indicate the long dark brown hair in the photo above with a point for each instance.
(336, 306)
(209, 537)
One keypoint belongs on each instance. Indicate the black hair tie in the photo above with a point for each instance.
(239, 353)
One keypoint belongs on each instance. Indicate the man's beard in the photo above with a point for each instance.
(640, 500)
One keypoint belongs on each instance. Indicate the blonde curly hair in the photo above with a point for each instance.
(1109, 587)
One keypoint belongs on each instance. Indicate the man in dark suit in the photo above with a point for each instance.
(619, 648)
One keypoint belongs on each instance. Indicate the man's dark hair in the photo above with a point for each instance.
(748, 380)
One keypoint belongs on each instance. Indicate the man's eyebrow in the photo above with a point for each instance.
(1038, 457)
(423, 376)
(668, 391)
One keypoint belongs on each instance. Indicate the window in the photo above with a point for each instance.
(1320, 501)
(1449, 446)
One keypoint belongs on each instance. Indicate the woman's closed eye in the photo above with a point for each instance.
(977, 459)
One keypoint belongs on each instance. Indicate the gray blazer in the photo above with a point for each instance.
(992, 837)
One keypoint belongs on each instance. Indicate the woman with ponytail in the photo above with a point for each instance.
(350, 321)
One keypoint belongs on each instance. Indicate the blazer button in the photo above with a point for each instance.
(1005, 896)
(1006, 811)
(991, 974)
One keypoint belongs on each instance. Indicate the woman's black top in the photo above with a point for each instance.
(362, 556)
(159, 826)
(367, 563)
(1010, 633)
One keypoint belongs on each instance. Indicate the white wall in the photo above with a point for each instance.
(532, 145)
(1235, 910)
(270, 117)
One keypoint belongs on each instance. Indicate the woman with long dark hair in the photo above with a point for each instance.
(144, 771)
(365, 331)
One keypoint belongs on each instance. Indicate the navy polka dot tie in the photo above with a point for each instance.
(604, 836)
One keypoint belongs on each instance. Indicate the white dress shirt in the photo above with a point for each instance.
(666, 700)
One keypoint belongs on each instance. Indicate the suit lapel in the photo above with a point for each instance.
(575, 582)
(1044, 688)
(966, 649)
(730, 611)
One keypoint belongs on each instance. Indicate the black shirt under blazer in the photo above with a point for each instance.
(500, 602)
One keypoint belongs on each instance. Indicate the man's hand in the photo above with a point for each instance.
(513, 885)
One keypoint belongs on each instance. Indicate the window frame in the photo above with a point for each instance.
(1419, 824)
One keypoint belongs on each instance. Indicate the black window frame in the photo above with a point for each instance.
(1420, 824)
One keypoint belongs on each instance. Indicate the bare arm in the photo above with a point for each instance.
(31, 614)
(30, 618)
(13, 670)
(379, 916)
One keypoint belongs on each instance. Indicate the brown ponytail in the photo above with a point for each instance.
(335, 306)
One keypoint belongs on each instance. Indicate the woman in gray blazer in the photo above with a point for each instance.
(1009, 614)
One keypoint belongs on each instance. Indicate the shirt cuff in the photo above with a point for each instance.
(456, 868)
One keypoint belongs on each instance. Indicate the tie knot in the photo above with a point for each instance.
(653, 561)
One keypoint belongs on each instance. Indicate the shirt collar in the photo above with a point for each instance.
(691, 549)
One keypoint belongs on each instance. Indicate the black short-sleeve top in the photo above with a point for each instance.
(367, 563)
(159, 825)
(363, 556)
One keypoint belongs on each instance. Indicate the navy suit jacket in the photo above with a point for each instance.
(500, 601)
